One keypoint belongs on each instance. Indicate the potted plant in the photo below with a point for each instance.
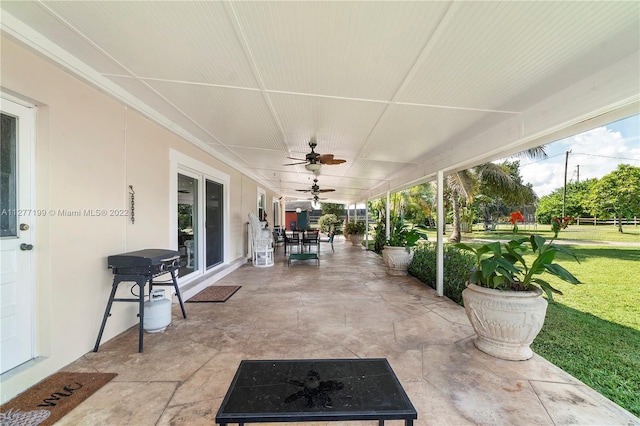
(397, 253)
(503, 299)
(355, 231)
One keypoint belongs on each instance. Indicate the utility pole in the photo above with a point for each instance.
(564, 191)
(578, 173)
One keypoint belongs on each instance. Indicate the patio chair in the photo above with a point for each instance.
(278, 236)
(189, 246)
(262, 241)
(291, 240)
(311, 239)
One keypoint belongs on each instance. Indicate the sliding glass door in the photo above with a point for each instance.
(200, 220)
(214, 224)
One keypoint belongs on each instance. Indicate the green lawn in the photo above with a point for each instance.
(630, 234)
(600, 233)
(592, 331)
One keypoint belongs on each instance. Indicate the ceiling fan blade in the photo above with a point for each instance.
(326, 190)
(303, 190)
(295, 164)
(329, 160)
(335, 161)
(298, 159)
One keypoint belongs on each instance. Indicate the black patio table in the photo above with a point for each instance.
(315, 390)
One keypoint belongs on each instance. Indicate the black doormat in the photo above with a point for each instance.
(216, 293)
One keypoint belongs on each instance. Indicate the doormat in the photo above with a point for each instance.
(49, 400)
(215, 293)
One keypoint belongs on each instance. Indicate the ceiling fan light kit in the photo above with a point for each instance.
(313, 167)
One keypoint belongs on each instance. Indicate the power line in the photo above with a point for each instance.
(606, 156)
(542, 159)
(580, 153)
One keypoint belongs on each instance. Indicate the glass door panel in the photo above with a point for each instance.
(214, 224)
(8, 181)
(188, 223)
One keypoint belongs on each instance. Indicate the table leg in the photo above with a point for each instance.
(408, 422)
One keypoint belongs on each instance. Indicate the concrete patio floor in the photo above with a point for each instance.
(346, 308)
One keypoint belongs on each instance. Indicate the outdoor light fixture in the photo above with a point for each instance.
(313, 167)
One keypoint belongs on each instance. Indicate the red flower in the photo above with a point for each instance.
(516, 217)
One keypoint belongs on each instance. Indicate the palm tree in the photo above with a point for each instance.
(464, 185)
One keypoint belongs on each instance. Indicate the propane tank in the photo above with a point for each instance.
(157, 312)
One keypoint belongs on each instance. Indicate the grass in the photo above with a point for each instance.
(592, 331)
(630, 234)
(603, 355)
(587, 233)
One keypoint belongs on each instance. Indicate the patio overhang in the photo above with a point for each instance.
(401, 90)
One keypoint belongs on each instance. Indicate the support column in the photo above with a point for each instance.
(387, 224)
(439, 241)
(366, 223)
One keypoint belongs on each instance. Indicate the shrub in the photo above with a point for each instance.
(458, 266)
(380, 237)
(328, 221)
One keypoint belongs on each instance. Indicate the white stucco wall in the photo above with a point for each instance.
(89, 149)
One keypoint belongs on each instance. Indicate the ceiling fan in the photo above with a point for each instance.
(315, 189)
(313, 161)
(316, 198)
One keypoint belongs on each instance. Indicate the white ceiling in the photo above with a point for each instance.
(398, 89)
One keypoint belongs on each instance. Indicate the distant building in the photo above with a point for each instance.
(297, 214)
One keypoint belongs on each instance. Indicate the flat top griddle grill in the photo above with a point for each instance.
(141, 266)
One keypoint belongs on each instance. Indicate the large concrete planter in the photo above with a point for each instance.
(397, 260)
(506, 322)
(356, 239)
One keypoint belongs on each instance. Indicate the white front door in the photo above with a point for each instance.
(17, 218)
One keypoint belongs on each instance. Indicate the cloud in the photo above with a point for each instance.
(594, 154)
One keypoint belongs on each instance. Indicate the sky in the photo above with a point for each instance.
(594, 154)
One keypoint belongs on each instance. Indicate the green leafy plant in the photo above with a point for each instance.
(558, 224)
(355, 228)
(400, 235)
(508, 270)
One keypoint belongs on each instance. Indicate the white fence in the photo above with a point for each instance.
(595, 221)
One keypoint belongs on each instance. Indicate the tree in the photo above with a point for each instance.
(418, 204)
(498, 180)
(550, 206)
(494, 200)
(332, 208)
(617, 194)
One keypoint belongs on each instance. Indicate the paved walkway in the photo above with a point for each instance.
(346, 308)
